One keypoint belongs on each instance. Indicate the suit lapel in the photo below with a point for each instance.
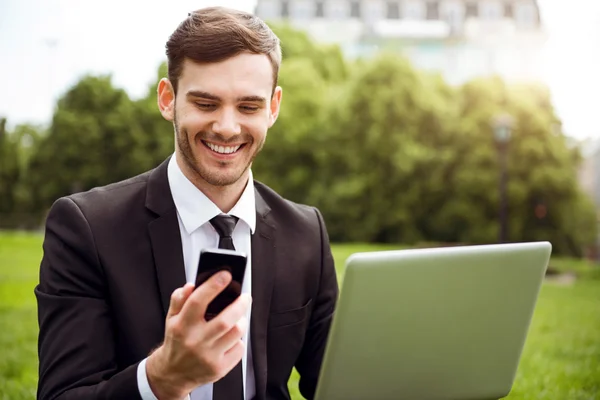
(164, 235)
(263, 277)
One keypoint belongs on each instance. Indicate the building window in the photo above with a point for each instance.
(374, 11)
(302, 9)
(267, 10)
(508, 10)
(526, 15)
(453, 13)
(491, 10)
(472, 9)
(414, 10)
(433, 10)
(337, 9)
(285, 9)
(393, 10)
(355, 9)
(319, 9)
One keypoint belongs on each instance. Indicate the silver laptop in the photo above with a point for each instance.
(432, 324)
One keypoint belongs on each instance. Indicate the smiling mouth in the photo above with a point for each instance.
(223, 149)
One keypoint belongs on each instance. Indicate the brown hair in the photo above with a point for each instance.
(214, 34)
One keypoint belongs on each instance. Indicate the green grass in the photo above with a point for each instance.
(19, 262)
(561, 359)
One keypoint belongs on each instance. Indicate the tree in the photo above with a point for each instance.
(292, 156)
(542, 169)
(387, 152)
(9, 170)
(94, 139)
(295, 153)
(158, 135)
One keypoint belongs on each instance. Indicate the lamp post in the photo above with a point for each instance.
(598, 239)
(502, 127)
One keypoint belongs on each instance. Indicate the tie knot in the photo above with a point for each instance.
(224, 224)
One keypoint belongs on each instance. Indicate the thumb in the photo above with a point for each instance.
(178, 298)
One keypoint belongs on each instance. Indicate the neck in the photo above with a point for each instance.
(224, 197)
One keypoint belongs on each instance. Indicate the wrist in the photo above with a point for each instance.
(160, 380)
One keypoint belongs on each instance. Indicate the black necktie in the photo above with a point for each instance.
(224, 225)
(230, 387)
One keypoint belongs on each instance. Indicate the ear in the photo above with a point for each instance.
(275, 105)
(166, 99)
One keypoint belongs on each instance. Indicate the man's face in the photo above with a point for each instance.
(221, 114)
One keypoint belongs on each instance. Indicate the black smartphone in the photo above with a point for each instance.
(215, 260)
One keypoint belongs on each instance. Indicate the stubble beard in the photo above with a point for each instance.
(210, 177)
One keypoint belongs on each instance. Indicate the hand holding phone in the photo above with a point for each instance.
(213, 261)
(195, 351)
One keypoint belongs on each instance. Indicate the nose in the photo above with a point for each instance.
(226, 123)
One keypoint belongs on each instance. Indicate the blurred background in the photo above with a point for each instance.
(405, 121)
(409, 123)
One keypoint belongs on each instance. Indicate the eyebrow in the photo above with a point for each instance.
(209, 96)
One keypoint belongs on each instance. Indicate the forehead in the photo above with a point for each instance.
(242, 75)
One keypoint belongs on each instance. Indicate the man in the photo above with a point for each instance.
(117, 319)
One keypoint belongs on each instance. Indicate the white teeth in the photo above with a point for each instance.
(223, 149)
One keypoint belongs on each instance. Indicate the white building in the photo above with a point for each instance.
(589, 173)
(460, 38)
(589, 178)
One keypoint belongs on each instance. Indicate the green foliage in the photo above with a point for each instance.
(93, 140)
(387, 152)
(97, 136)
(9, 169)
(291, 172)
(542, 170)
(388, 145)
(27, 138)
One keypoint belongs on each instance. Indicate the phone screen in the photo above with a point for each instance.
(213, 261)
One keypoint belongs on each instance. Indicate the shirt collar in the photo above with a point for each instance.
(195, 209)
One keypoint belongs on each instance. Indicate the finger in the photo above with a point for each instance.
(229, 339)
(188, 288)
(233, 356)
(176, 303)
(178, 298)
(197, 303)
(222, 323)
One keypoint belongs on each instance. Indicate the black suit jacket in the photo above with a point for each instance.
(112, 258)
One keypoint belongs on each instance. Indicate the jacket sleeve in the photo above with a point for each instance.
(311, 356)
(76, 344)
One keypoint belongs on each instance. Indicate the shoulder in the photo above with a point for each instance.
(114, 193)
(107, 203)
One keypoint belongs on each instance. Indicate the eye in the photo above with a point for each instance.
(205, 106)
(249, 109)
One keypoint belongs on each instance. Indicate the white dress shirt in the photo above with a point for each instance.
(194, 212)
